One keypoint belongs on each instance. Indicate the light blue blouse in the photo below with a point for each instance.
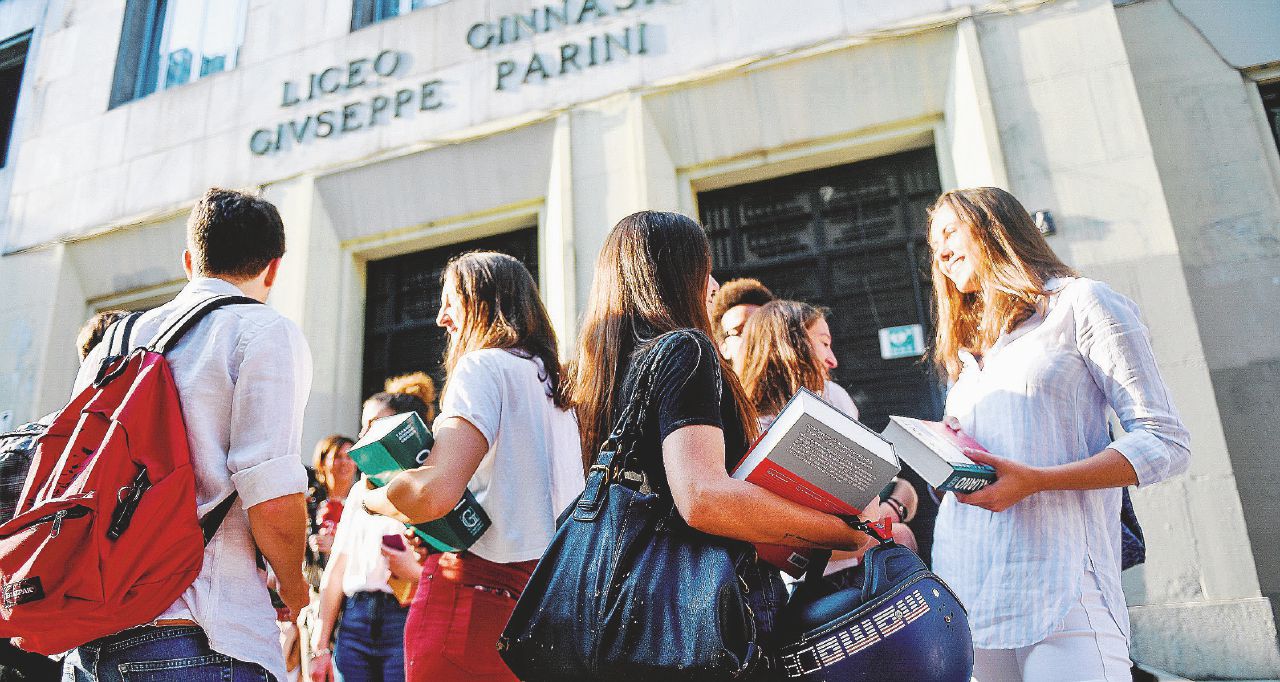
(1041, 396)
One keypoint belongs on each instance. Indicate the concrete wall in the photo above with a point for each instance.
(83, 167)
(17, 17)
(1048, 99)
(1221, 176)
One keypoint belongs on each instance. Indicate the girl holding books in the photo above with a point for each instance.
(1036, 356)
(786, 346)
(365, 582)
(505, 433)
(651, 281)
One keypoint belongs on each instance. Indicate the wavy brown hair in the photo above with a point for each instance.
(501, 309)
(776, 359)
(326, 450)
(651, 278)
(1014, 264)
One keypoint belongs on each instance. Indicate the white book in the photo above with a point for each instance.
(936, 452)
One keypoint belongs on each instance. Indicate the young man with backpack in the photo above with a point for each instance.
(242, 374)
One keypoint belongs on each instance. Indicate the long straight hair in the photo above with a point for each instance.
(651, 278)
(1014, 263)
(501, 309)
(776, 359)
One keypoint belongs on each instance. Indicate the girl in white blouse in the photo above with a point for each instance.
(1036, 356)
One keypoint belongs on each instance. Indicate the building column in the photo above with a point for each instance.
(1076, 142)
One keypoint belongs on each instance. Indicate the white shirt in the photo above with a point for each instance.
(359, 537)
(1041, 396)
(533, 469)
(839, 398)
(243, 374)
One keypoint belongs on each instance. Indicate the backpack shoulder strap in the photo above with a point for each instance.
(118, 338)
(181, 324)
(213, 520)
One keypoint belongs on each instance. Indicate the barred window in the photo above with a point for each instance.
(365, 12)
(1271, 103)
(167, 43)
(13, 60)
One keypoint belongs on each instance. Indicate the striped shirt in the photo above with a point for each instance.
(1041, 396)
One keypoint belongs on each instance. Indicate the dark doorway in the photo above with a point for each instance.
(851, 238)
(403, 297)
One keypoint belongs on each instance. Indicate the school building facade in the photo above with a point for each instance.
(807, 136)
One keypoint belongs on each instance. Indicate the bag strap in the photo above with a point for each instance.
(117, 340)
(213, 520)
(616, 458)
(181, 324)
(119, 336)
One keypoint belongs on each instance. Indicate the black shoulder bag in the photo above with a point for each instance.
(627, 590)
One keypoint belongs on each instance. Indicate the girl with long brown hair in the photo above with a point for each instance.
(651, 282)
(1036, 357)
(504, 432)
(786, 346)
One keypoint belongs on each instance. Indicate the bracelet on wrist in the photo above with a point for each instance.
(898, 508)
(321, 652)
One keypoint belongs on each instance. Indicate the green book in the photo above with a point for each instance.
(400, 442)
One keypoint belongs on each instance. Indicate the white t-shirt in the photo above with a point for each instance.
(839, 398)
(359, 536)
(533, 469)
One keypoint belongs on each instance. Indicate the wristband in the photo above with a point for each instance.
(321, 652)
(898, 508)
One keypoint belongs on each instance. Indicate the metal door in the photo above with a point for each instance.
(403, 297)
(851, 238)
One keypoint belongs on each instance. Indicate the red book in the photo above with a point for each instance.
(815, 455)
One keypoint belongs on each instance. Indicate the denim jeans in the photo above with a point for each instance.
(157, 654)
(370, 641)
(766, 596)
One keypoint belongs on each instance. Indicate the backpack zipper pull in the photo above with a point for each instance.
(57, 524)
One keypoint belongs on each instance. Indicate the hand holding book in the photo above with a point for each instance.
(1014, 482)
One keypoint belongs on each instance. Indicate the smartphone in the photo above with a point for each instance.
(394, 541)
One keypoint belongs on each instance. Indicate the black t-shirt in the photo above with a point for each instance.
(688, 388)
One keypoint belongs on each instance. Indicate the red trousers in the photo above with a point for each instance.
(462, 605)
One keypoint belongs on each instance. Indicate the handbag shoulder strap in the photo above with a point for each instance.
(616, 458)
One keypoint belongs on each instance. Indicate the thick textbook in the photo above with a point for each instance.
(936, 452)
(400, 442)
(817, 456)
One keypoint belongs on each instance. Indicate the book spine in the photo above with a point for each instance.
(966, 480)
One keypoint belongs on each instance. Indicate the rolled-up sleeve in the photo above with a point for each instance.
(270, 395)
(1117, 351)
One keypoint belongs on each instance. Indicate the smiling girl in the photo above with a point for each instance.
(1036, 357)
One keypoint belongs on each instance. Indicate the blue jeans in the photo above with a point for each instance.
(370, 642)
(157, 654)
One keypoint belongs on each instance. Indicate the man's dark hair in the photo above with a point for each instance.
(233, 234)
(736, 292)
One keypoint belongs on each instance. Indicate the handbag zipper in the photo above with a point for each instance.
(57, 517)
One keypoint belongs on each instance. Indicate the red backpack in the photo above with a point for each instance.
(105, 536)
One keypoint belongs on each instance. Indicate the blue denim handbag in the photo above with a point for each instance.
(627, 590)
(1133, 546)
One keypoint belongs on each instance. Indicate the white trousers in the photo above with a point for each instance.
(1088, 647)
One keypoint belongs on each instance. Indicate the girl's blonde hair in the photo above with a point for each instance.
(417, 384)
(1013, 265)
